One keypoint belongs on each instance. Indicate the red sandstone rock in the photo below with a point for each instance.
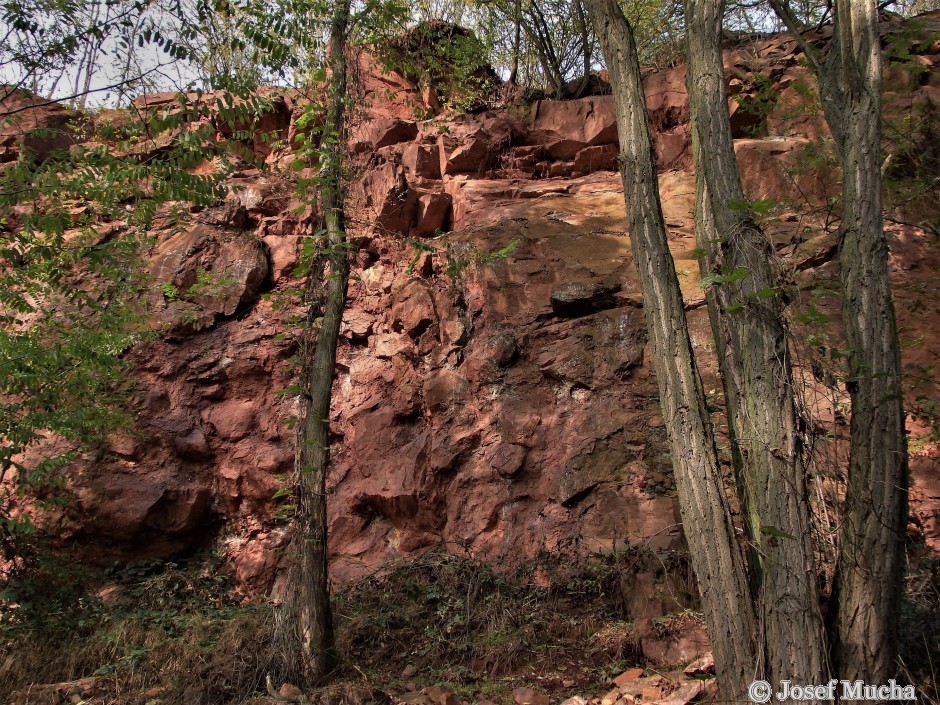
(466, 158)
(264, 129)
(701, 666)
(32, 123)
(527, 696)
(422, 160)
(441, 696)
(381, 132)
(465, 409)
(627, 676)
(684, 694)
(433, 213)
(595, 158)
(671, 650)
(566, 127)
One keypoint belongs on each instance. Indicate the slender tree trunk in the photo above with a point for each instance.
(586, 52)
(310, 585)
(871, 558)
(538, 33)
(716, 556)
(748, 325)
(516, 40)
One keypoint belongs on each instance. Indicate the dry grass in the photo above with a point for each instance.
(446, 618)
(171, 635)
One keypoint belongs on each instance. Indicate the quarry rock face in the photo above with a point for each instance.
(34, 125)
(494, 385)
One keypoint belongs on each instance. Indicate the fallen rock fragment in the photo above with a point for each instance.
(628, 676)
(701, 666)
(527, 696)
(684, 694)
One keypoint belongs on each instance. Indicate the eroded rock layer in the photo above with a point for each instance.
(494, 386)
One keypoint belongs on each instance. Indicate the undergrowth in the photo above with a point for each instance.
(919, 626)
(160, 633)
(154, 632)
(447, 618)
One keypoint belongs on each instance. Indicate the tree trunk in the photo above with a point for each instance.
(586, 52)
(871, 557)
(751, 337)
(706, 515)
(516, 41)
(310, 585)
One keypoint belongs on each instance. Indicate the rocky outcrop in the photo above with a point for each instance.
(494, 388)
(36, 126)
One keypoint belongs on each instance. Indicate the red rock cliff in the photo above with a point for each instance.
(505, 404)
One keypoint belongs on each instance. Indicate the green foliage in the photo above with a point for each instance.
(911, 137)
(714, 279)
(451, 63)
(73, 285)
(460, 254)
(760, 103)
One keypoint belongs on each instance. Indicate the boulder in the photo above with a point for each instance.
(704, 665)
(595, 158)
(466, 158)
(389, 196)
(262, 125)
(432, 213)
(527, 696)
(579, 298)
(413, 310)
(422, 161)
(382, 132)
(566, 127)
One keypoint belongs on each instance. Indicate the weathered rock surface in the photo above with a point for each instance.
(31, 124)
(494, 388)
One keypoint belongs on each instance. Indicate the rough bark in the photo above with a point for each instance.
(751, 336)
(516, 41)
(716, 556)
(871, 557)
(327, 299)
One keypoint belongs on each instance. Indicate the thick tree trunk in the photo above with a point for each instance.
(751, 336)
(310, 583)
(871, 558)
(706, 516)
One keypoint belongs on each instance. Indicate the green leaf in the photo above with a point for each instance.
(282, 492)
(774, 531)
(716, 279)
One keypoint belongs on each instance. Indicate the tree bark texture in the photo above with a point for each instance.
(716, 555)
(871, 556)
(748, 323)
(327, 300)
